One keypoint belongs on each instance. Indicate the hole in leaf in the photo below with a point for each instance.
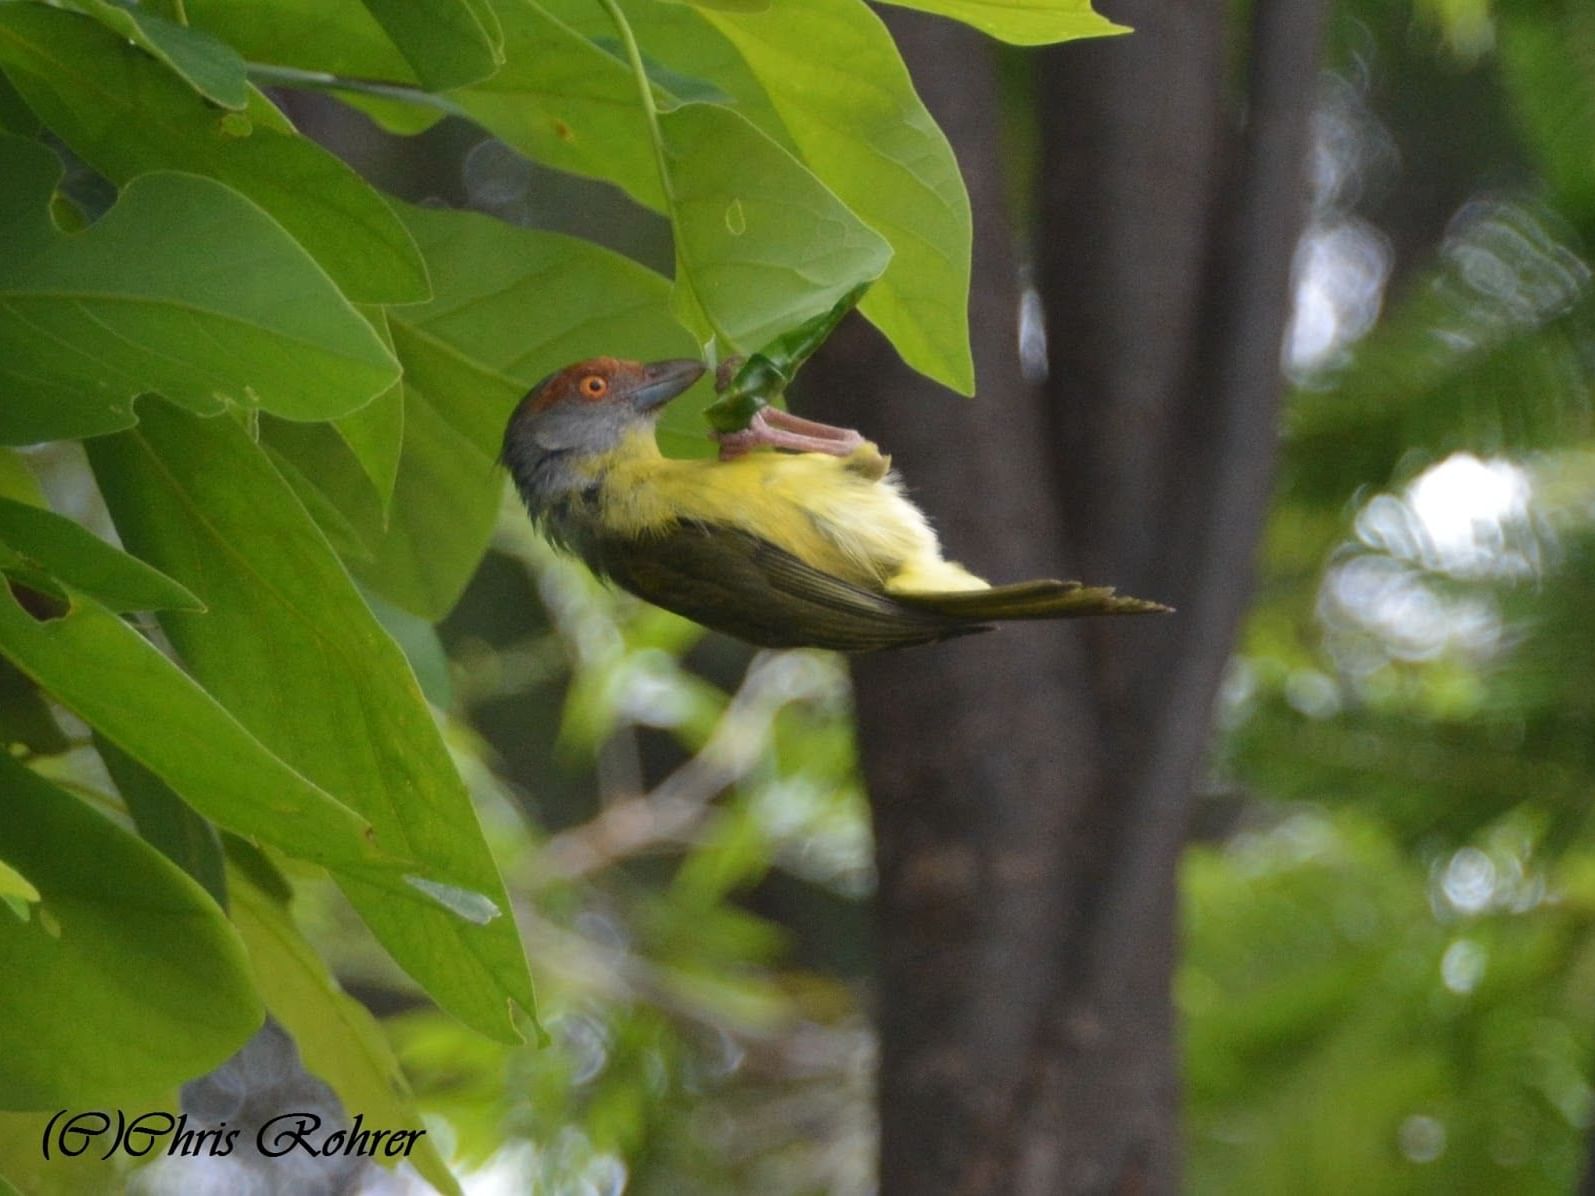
(41, 605)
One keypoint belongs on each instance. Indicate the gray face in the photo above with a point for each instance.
(581, 412)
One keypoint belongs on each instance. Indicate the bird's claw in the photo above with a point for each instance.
(779, 429)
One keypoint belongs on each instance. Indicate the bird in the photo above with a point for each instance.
(798, 535)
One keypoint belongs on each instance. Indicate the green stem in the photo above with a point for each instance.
(175, 9)
(288, 76)
(645, 95)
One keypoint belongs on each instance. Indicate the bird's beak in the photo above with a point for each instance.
(663, 381)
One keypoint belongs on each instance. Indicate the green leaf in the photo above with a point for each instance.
(120, 684)
(339, 37)
(14, 885)
(338, 1040)
(126, 115)
(67, 552)
(470, 354)
(149, 299)
(166, 822)
(569, 104)
(348, 540)
(329, 480)
(25, 717)
(565, 102)
(443, 510)
(375, 433)
(445, 41)
(208, 65)
(727, 5)
(859, 127)
(852, 116)
(15, 115)
(17, 480)
(1023, 22)
(422, 647)
(127, 980)
(764, 376)
(761, 245)
(289, 646)
(32, 1174)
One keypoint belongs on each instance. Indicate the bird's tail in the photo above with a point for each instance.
(1040, 599)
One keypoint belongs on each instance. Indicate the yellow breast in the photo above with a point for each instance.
(842, 515)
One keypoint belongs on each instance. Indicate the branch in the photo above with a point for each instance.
(1233, 400)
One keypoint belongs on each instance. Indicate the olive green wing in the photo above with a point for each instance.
(745, 586)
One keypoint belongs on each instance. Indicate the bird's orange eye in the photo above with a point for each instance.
(594, 387)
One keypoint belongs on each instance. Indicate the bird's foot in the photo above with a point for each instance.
(779, 429)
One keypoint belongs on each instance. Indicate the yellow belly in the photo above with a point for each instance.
(836, 514)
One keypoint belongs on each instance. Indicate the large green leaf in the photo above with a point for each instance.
(289, 646)
(772, 243)
(15, 116)
(442, 514)
(338, 1040)
(344, 472)
(760, 242)
(567, 103)
(511, 306)
(761, 245)
(17, 481)
(338, 37)
(557, 98)
(447, 42)
(375, 433)
(119, 683)
(150, 298)
(852, 116)
(1023, 22)
(207, 64)
(42, 542)
(127, 979)
(166, 822)
(726, 5)
(125, 114)
(25, 716)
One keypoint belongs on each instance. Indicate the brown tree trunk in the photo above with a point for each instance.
(1031, 788)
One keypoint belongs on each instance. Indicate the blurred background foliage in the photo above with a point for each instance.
(1389, 980)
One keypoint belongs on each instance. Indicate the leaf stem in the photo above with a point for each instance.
(288, 76)
(645, 96)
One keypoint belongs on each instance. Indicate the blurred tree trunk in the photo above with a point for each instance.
(1031, 788)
